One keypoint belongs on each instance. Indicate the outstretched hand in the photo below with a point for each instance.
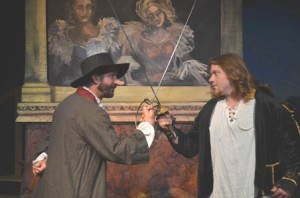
(165, 121)
(148, 114)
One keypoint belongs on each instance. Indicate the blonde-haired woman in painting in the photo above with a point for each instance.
(151, 44)
(68, 39)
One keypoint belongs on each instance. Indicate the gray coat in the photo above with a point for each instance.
(82, 140)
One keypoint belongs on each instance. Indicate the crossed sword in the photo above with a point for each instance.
(155, 99)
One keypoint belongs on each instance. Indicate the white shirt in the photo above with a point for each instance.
(232, 140)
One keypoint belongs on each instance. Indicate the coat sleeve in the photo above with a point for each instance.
(42, 146)
(100, 134)
(290, 180)
(189, 143)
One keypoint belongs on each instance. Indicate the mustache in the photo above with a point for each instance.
(113, 86)
(106, 87)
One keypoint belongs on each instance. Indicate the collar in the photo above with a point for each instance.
(87, 93)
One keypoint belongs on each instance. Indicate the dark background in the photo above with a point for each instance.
(271, 50)
(12, 66)
(272, 44)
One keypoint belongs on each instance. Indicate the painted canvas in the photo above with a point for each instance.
(166, 42)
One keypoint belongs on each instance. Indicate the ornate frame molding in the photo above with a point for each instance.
(42, 112)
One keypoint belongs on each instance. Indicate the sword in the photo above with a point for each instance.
(159, 84)
(155, 98)
(133, 51)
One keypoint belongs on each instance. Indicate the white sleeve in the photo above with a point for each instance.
(148, 131)
(41, 157)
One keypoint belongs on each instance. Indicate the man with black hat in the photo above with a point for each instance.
(82, 137)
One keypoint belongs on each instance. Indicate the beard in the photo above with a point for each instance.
(216, 93)
(107, 90)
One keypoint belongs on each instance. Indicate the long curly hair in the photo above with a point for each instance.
(165, 5)
(242, 81)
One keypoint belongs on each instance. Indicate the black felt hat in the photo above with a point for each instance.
(101, 64)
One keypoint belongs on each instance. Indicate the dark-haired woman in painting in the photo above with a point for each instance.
(68, 39)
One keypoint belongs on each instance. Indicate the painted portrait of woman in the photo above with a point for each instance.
(154, 36)
(152, 47)
(68, 40)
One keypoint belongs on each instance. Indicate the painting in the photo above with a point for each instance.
(213, 28)
(166, 42)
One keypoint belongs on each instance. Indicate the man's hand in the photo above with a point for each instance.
(279, 193)
(39, 167)
(165, 121)
(148, 114)
(166, 124)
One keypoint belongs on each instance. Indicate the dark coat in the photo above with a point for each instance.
(82, 140)
(277, 142)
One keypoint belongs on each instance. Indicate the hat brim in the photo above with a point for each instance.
(121, 71)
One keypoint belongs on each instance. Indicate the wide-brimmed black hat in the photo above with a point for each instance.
(101, 64)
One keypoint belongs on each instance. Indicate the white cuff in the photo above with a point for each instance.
(148, 131)
(42, 156)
